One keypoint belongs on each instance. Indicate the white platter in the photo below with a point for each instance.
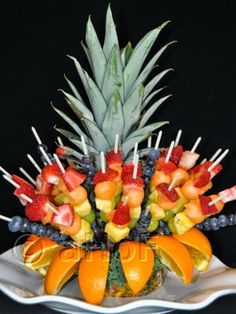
(27, 287)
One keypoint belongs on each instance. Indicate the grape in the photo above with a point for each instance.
(152, 225)
(168, 215)
(15, 224)
(222, 221)
(90, 217)
(171, 225)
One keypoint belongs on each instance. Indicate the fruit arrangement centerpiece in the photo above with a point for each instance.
(115, 215)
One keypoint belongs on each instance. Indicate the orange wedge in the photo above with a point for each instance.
(174, 255)
(62, 267)
(137, 260)
(29, 241)
(198, 246)
(93, 273)
(40, 253)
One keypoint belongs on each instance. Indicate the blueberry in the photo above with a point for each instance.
(15, 224)
(162, 224)
(146, 180)
(151, 162)
(25, 227)
(214, 224)
(55, 236)
(222, 220)
(199, 226)
(206, 224)
(147, 171)
(63, 239)
(33, 228)
(42, 231)
(154, 154)
(87, 159)
(166, 231)
(49, 232)
(231, 219)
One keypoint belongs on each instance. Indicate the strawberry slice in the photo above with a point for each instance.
(122, 214)
(61, 152)
(65, 216)
(171, 195)
(131, 183)
(42, 186)
(37, 210)
(109, 175)
(73, 179)
(25, 188)
(206, 165)
(167, 167)
(176, 154)
(202, 178)
(51, 173)
(114, 159)
(206, 209)
(128, 169)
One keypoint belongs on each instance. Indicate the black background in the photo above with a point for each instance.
(37, 35)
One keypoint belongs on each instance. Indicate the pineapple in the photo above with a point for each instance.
(118, 92)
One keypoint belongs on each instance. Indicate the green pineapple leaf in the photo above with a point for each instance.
(114, 119)
(86, 51)
(126, 54)
(80, 71)
(113, 78)
(138, 57)
(149, 87)
(132, 108)
(111, 38)
(98, 59)
(149, 98)
(73, 88)
(151, 111)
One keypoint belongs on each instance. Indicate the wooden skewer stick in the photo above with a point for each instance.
(117, 138)
(204, 160)
(34, 163)
(218, 160)
(147, 210)
(28, 176)
(5, 172)
(135, 171)
(196, 144)
(16, 185)
(149, 143)
(158, 140)
(50, 207)
(60, 165)
(85, 149)
(217, 153)
(45, 155)
(26, 198)
(5, 218)
(178, 137)
(135, 152)
(103, 162)
(60, 141)
(38, 139)
(169, 151)
(173, 182)
(219, 198)
(125, 200)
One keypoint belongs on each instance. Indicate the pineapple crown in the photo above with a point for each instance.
(118, 93)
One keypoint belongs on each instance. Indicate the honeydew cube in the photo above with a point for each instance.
(156, 211)
(135, 212)
(182, 223)
(85, 233)
(61, 199)
(83, 209)
(104, 205)
(119, 188)
(153, 196)
(115, 233)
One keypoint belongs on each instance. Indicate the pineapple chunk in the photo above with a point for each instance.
(153, 196)
(156, 211)
(182, 223)
(104, 205)
(135, 212)
(85, 233)
(61, 199)
(115, 233)
(83, 209)
(119, 188)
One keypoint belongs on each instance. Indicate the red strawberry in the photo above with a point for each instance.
(65, 216)
(128, 169)
(130, 183)
(42, 186)
(122, 214)
(114, 159)
(176, 154)
(25, 188)
(167, 167)
(202, 179)
(109, 175)
(73, 178)
(206, 209)
(51, 173)
(37, 210)
(171, 195)
(61, 152)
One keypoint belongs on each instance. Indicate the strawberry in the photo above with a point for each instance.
(42, 186)
(109, 175)
(51, 173)
(122, 214)
(25, 188)
(65, 216)
(114, 159)
(167, 167)
(128, 169)
(171, 195)
(73, 179)
(206, 209)
(37, 210)
(176, 154)
(61, 152)
(206, 165)
(202, 178)
(130, 183)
